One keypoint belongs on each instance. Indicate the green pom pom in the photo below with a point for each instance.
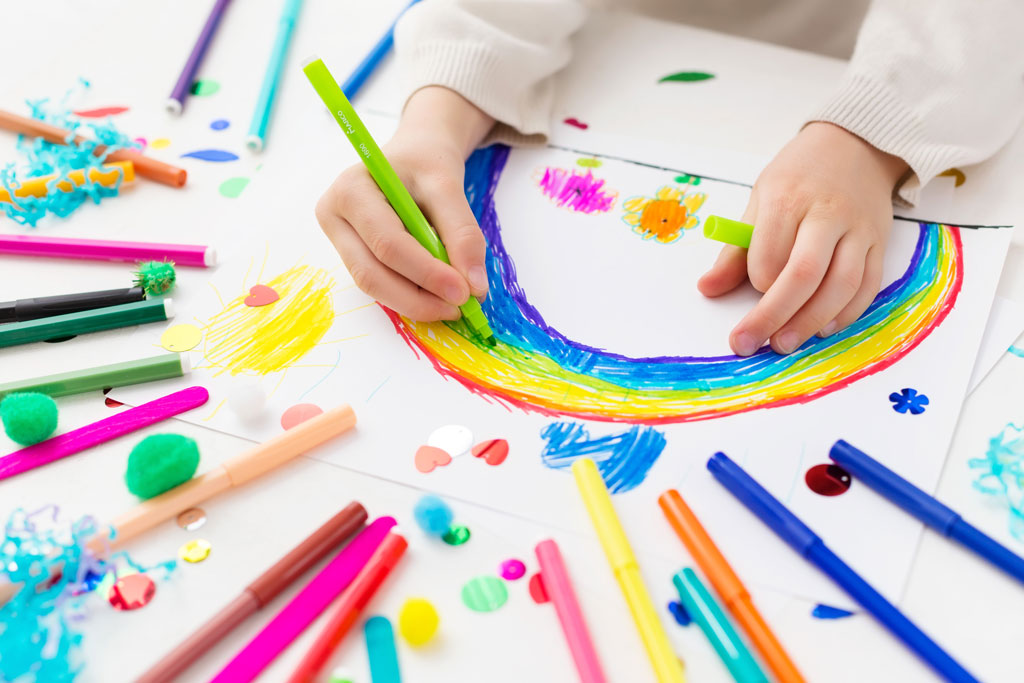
(29, 417)
(160, 462)
(156, 277)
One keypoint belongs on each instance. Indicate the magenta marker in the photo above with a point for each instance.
(195, 255)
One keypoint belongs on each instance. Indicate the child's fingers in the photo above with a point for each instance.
(365, 208)
(729, 271)
(445, 203)
(841, 282)
(382, 283)
(869, 286)
(801, 276)
(775, 233)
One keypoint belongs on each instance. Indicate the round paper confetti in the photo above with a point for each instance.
(299, 413)
(220, 124)
(512, 570)
(417, 622)
(828, 479)
(484, 594)
(192, 519)
(131, 592)
(160, 143)
(195, 551)
(537, 590)
(457, 535)
(454, 439)
(183, 337)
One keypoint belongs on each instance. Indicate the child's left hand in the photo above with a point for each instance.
(822, 210)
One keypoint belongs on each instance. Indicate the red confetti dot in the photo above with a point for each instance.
(131, 592)
(537, 590)
(299, 413)
(828, 480)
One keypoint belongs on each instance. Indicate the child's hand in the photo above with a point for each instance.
(822, 210)
(438, 131)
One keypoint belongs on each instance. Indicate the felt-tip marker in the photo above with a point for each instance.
(388, 181)
(46, 306)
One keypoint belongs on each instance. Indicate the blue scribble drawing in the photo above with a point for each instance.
(908, 399)
(623, 459)
(1001, 474)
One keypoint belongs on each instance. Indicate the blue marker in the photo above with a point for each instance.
(919, 504)
(380, 646)
(355, 81)
(809, 546)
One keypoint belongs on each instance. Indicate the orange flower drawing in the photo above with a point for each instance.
(665, 216)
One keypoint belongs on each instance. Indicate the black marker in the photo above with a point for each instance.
(46, 306)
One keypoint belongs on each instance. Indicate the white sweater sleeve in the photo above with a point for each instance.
(938, 83)
(498, 54)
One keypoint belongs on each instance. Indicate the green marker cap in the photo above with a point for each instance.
(728, 231)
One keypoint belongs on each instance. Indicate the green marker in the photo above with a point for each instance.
(164, 366)
(83, 322)
(703, 609)
(730, 232)
(388, 182)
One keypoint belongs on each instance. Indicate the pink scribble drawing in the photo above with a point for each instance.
(581, 192)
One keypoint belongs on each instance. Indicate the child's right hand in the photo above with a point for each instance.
(438, 131)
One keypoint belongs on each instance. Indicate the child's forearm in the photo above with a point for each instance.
(444, 115)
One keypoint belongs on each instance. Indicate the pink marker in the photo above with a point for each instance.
(63, 445)
(305, 607)
(195, 255)
(559, 588)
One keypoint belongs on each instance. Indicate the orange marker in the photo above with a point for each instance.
(728, 586)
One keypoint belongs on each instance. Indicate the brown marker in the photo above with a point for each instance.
(258, 593)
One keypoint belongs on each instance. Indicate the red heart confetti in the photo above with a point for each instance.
(537, 590)
(493, 451)
(428, 457)
(261, 295)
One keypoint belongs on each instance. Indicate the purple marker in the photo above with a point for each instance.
(176, 101)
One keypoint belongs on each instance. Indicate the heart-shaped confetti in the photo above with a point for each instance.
(429, 457)
(538, 591)
(261, 295)
(493, 451)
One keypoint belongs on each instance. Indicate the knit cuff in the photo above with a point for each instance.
(873, 111)
(473, 71)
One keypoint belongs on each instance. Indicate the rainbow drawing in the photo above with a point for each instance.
(536, 368)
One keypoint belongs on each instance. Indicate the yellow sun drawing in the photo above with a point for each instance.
(664, 216)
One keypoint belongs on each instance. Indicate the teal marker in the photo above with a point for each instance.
(388, 182)
(703, 609)
(265, 102)
(380, 647)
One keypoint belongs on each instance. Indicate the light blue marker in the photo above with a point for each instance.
(265, 102)
(380, 646)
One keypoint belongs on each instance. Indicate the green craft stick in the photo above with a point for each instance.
(387, 180)
(83, 322)
(728, 231)
(703, 609)
(164, 366)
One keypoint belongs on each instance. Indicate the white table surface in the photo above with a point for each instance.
(132, 52)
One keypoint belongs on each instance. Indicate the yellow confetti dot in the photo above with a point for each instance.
(958, 176)
(160, 143)
(181, 337)
(195, 551)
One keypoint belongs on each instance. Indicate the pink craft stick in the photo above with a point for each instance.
(306, 606)
(559, 588)
(63, 445)
(108, 250)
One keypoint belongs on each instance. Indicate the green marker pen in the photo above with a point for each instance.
(703, 609)
(728, 231)
(386, 178)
